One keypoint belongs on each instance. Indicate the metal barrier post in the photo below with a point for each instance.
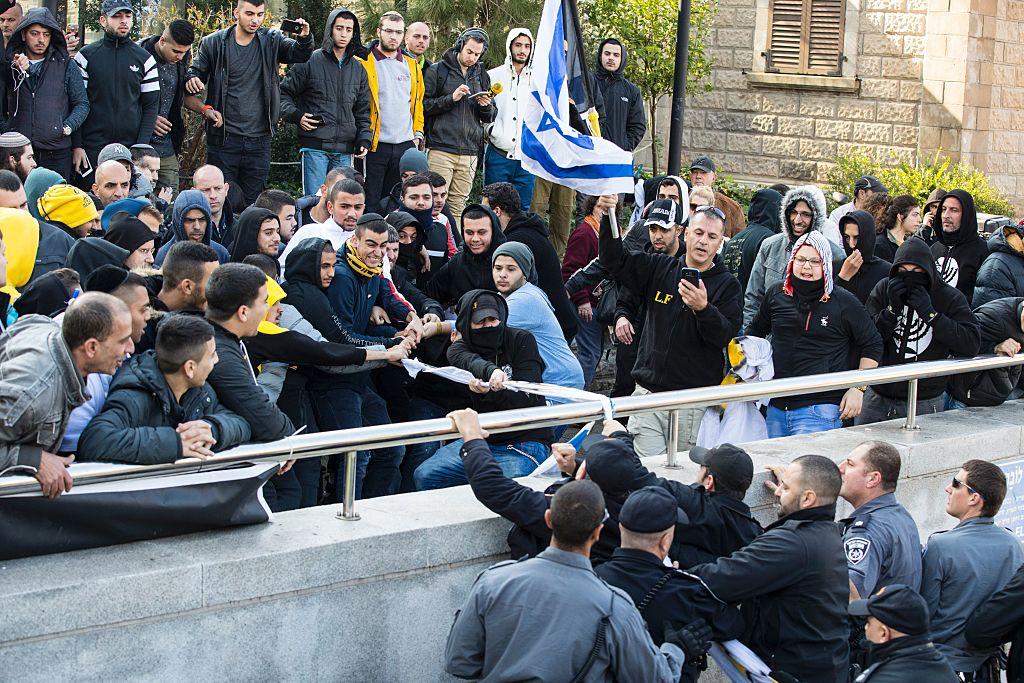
(673, 441)
(911, 423)
(348, 506)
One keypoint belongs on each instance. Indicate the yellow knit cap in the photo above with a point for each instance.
(68, 205)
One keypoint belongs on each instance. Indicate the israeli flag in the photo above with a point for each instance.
(550, 147)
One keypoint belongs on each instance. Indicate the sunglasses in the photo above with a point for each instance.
(711, 211)
(957, 484)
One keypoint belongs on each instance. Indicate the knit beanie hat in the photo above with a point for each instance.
(413, 160)
(13, 139)
(68, 205)
(105, 279)
(128, 232)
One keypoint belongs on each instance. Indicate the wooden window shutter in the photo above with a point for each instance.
(806, 36)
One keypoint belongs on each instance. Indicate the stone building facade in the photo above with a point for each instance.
(912, 77)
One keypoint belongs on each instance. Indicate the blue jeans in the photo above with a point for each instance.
(589, 345)
(307, 472)
(444, 468)
(244, 161)
(500, 169)
(345, 407)
(418, 453)
(316, 164)
(806, 420)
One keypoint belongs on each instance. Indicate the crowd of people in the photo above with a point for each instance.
(148, 317)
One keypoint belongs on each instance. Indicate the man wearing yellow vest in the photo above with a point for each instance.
(396, 107)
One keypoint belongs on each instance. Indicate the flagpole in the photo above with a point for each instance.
(675, 136)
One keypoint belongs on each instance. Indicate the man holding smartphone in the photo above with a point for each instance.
(693, 308)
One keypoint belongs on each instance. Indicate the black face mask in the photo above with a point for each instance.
(487, 340)
(808, 292)
(915, 278)
(407, 255)
(425, 218)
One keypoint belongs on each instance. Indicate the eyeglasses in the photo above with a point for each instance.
(711, 211)
(957, 484)
(804, 261)
(392, 31)
(801, 214)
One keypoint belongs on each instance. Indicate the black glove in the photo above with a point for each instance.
(896, 293)
(694, 639)
(921, 301)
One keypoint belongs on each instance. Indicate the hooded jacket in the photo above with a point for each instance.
(762, 222)
(504, 133)
(625, 120)
(817, 337)
(44, 296)
(669, 325)
(336, 90)
(953, 332)
(1002, 273)
(39, 387)
(517, 355)
(53, 95)
(210, 66)
(124, 93)
(874, 268)
(39, 180)
(773, 256)
(89, 253)
(531, 230)
(138, 421)
(247, 230)
(999, 320)
(183, 203)
(455, 127)
(45, 254)
(466, 271)
(959, 255)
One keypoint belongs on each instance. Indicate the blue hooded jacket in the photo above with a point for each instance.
(185, 202)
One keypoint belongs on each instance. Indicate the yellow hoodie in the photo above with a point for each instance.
(274, 294)
(21, 240)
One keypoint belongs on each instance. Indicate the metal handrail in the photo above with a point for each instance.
(349, 441)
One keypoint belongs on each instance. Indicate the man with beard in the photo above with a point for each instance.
(470, 268)
(626, 122)
(17, 155)
(958, 250)
(502, 160)
(191, 221)
(181, 285)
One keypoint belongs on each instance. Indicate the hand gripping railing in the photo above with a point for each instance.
(350, 441)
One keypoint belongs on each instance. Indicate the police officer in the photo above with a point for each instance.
(880, 539)
(901, 647)
(551, 618)
(720, 523)
(647, 524)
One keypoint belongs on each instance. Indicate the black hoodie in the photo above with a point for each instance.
(338, 93)
(247, 230)
(45, 295)
(89, 253)
(999, 320)
(679, 348)
(873, 269)
(517, 355)
(625, 120)
(531, 230)
(762, 222)
(466, 271)
(953, 332)
(958, 255)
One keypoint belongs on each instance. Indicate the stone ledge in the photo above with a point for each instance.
(774, 81)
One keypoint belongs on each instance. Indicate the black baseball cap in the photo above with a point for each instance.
(897, 606)
(731, 465)
(704, 163)
(665, 213)
(650, 510)
(485, 306)
(869, 182)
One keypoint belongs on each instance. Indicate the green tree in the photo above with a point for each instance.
(648, 30)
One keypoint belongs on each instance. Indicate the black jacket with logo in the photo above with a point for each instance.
(679, 348)
(176, 119)
(625, 121)
(959, 255)
(455, 127)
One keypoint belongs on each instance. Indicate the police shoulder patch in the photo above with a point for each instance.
(856, 549)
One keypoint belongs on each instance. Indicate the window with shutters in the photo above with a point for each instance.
(806, 37)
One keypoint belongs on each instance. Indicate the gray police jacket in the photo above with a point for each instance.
(882, 546)
(537, 620)
(39, 387)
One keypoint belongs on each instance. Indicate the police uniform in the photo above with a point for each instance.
(540, 619)
(882, 546)
(663, 594)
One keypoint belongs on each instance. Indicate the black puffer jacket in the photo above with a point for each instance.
(339, 93)
(625, 120)
(907, 338)
(910, 658)
(959, 255)
(999, 320)
(1002, 273)
(455, 127)
(466, 271)
(531, 230)
(762, 223)
(873, 269)
(139, 418)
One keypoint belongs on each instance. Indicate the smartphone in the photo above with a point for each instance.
(88, 168)
(290, 26)
(318, 120)
(691, 275)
